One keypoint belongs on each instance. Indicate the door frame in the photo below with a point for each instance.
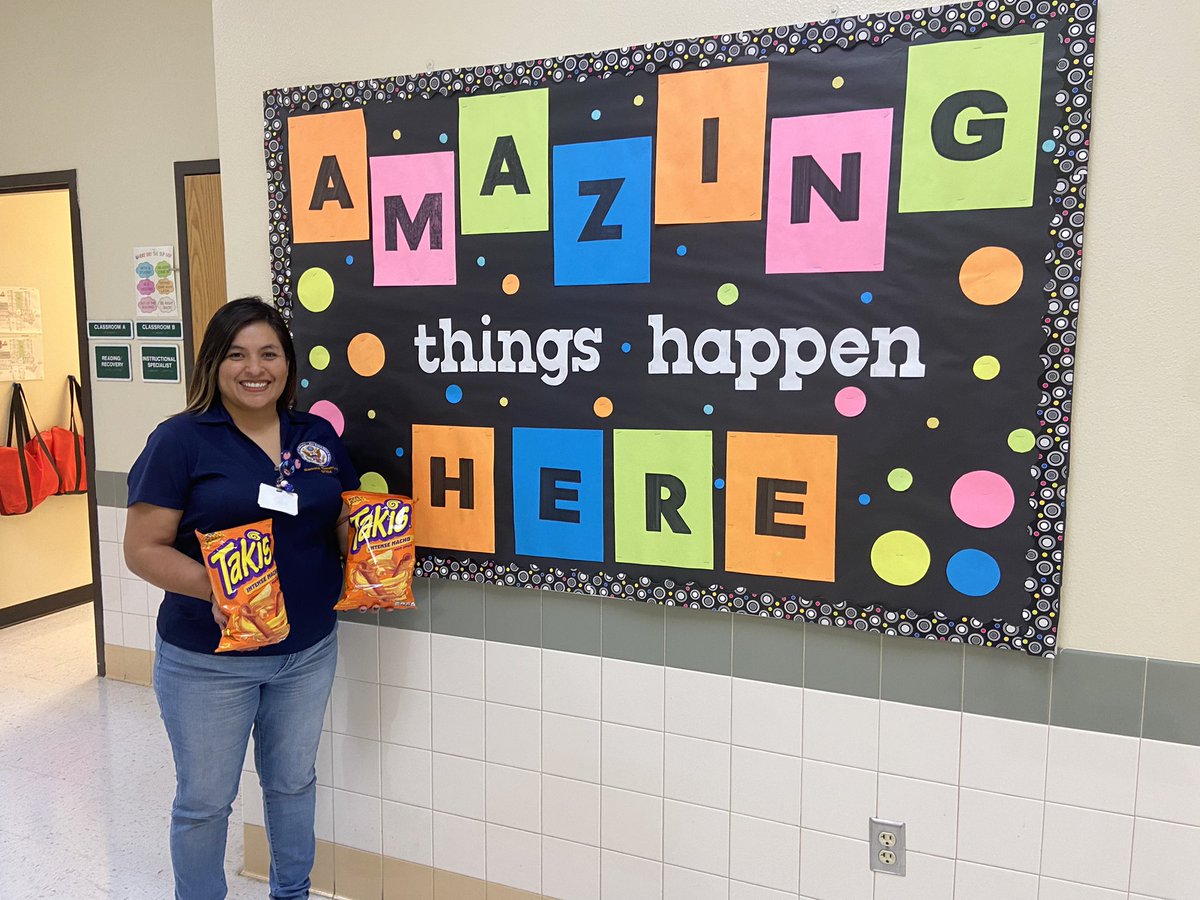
(182, 171)
(67, 179)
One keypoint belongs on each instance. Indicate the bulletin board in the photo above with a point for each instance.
(779, 322)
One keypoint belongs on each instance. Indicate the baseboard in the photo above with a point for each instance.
(44, 606)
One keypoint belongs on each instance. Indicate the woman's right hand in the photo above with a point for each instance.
(218, 616)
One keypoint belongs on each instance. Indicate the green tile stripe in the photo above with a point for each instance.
(111, 489)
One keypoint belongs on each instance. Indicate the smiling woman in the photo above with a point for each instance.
(232, 458)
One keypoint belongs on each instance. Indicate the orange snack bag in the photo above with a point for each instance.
(382, 553)
(241, 567)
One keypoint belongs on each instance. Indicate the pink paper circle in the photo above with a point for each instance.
(982, 499)
(330, 413)
(850, 401)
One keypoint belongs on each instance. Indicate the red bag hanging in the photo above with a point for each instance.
(27, 472)
(66, 445)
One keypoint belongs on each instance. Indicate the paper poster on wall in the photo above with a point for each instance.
(20, 310)
(154, 281)
(779, 322)
(22, 357)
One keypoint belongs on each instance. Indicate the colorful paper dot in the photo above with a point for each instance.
(986, 368)
(866, 296)
(850, 401)
(973, 573)
(1048, 145)
(366, 354)
(318, 357)
(626, 347)
(595, 115)
(453, 393)
(982, 499)
(900, 479)
(303, 382)
(373, 482)
(1020, 440)
(480, 261)
(838, 82)
(396, 134)
(504, 401)
(864, 499)
(991, 276)
(727, 294)
(315, 290)
(603, 407)
(719, 484)
(443, 137)
(933, 422)
(708, 409)
(349, 260)
(399, 451)
(330, 412)
(639, 100)
(681, 250)
(370, 413)
(511, 284)
(900, 558)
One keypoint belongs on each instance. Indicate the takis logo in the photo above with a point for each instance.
(377, 521)
(240, 559)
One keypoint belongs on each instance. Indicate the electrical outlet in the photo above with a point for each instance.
(887, 846)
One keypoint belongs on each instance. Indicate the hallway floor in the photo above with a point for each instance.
(86, 778)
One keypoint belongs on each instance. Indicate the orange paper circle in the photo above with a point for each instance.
(602, 407)
(366, 354)
(511, 284)
(991, 276)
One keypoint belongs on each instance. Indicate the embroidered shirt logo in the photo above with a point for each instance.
(314, 454)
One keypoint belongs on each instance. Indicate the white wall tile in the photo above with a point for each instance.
(408, 833)
(624, 877)
(764, 853)
(514, 797)
(458, 726)
(570, 871)
(698, 704)
(459, 845)
(110, 594)
(631, 758)
(571, 810)
(999, 830)
(404, 658)
(768, 716)
(252, 800)
(696, 837)
(106, 524)
(1158, 851)
(358, 651)
(122, 567)
(457, 665)
(833, 867)
(1087, 846)
(928, 809)
(975, 882)
(571, 747)
(925, 878)
(632, 693)
(513, 675)
(134, 631)
(134, 597)
(1096, 771)
(514, 858)
(356, 708)
(514, 736)
(838, 799)
(1052, 889)
(765, 785)
(114, 632)
(740, 890)
(122, 516)
(109, 563)
(458, 786)
(686, 884)
(324, 819)
(356, 765)
(697, 771)
(1168, 785)
(406, 717)
(358, 821)
(919, 742)
(1004, 756)
(152, 630)
(841, 729)
(631, 823)
(571, 684)
(407, 775)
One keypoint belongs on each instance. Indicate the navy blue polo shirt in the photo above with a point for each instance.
(204, 466)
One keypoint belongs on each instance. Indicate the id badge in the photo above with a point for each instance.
(277, 499)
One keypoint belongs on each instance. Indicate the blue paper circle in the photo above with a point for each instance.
(453, 393)
(719, 484)
(681, 250)
(864, 499)
(626, 347)
(866, 297)
(973, 573)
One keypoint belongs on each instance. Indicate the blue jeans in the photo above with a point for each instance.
(209, 704)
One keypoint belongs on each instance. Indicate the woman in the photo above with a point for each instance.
(216, 465)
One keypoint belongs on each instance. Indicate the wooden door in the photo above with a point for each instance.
(205, 250)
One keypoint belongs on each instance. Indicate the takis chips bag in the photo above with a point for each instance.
(381, 555)
(241, 567)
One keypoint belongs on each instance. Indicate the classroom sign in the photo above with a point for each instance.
(779, 322)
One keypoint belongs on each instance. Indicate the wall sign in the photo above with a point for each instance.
(746, 322)
(110, 330)
(163, 331)
(160, 363)
(112, 362)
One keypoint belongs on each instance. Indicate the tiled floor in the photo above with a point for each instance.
(86, 778)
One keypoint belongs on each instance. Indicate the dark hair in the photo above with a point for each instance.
(218, 336)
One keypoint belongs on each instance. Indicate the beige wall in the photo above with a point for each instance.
(119, 92)
(47, 550)
(1131, 569)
